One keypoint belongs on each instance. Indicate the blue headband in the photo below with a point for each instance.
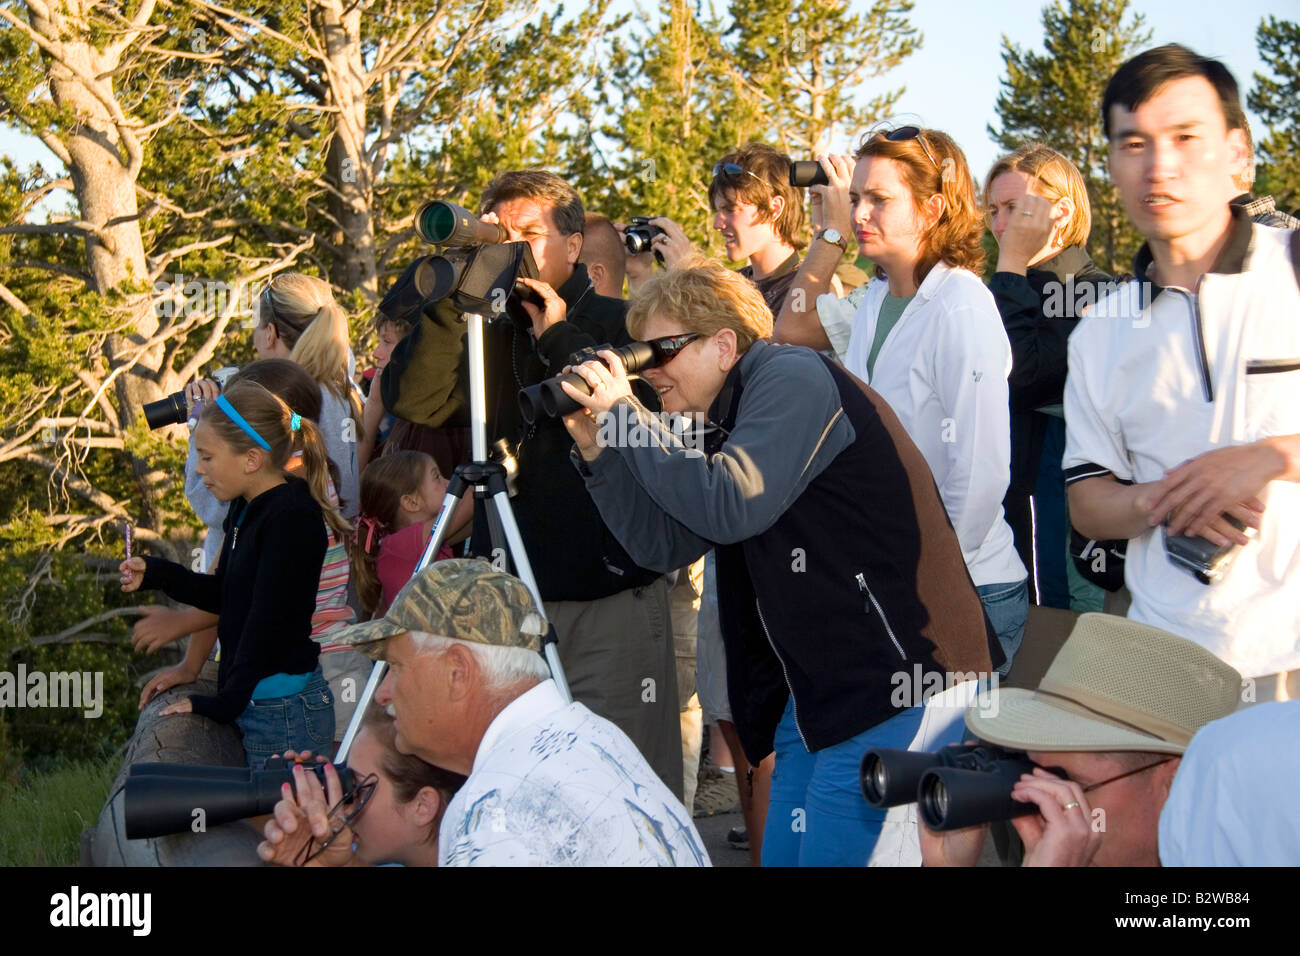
(223, 403)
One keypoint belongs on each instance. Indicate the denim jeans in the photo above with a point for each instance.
(817, 815)
(1007, 606)
(302, 721)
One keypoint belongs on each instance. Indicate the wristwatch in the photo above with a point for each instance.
(834, 238)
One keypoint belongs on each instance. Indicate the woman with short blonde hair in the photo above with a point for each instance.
(1037, 207)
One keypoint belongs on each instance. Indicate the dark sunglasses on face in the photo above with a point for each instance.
(668, 347)
(904, 133)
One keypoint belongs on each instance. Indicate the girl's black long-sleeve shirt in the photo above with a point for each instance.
(264, 590)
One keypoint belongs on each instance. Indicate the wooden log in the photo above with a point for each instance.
(179, 739)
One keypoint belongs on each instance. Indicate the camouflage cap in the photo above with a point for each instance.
(461, 598)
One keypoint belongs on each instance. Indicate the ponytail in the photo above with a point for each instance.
(311, 323)
(316, 467)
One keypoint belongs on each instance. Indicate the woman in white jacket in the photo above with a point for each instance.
(925, 334)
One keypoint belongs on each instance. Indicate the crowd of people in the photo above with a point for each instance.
(879, 480)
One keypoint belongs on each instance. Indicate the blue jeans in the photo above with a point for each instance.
(1007, 606)
(817, 815)
(302, 721)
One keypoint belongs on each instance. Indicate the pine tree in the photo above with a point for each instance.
(1277, 101)
(803, 61)
(1055, 98)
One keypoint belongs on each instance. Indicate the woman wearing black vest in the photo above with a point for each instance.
(841, 583)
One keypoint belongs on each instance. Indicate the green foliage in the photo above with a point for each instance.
(1276, 98)
(1054, 98)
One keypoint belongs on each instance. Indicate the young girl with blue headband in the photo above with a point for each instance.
(269, 682)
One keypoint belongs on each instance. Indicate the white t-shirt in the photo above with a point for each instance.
(1157, 381)
(555, 785)
(943, 370)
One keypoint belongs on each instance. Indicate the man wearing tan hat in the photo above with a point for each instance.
(550, 783)
(1115, 712)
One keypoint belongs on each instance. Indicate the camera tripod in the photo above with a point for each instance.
(488, 479)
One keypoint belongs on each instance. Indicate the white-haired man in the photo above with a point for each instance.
(550, 783)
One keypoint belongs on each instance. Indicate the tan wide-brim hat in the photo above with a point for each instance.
(1116, 684)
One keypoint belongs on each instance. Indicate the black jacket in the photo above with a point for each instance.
(829, 639)
(1039, 311)
(573, 554)
(264, 589)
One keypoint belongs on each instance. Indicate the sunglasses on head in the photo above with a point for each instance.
(733, 169)
(904, 133)
(668, 347)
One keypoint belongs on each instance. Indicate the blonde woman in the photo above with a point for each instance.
(298, 319)
(1037, 207)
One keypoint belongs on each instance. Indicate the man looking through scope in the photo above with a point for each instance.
(611, 616)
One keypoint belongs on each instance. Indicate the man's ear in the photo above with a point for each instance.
(1238, 157)
(777, 207)
(597, 272)
(1164, 779)
(573, 247)
(461, 670)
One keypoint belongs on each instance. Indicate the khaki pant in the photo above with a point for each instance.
(684, 599)
(618, 657)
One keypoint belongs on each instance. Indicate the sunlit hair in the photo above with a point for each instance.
(270, 417)
(771, 169)
(1056, 178)
(287, 379)
(407, 773)
(542, 187)
(501, 665)
(704, 296)
(314, 328)
(383, 484)
(956, 237)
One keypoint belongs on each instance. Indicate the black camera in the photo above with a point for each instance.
(1203, 559)
(639, 235)
(808, 173)
(161, 798)
(175, 408)
(962, 785)
(548, 399)
(478, 269)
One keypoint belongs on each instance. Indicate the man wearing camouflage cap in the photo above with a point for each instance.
(550, 783)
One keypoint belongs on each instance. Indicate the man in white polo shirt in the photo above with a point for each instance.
(1183, 400)
(550, 783)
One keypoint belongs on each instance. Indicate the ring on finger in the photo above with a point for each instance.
(1070, 806)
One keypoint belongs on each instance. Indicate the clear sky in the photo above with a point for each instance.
(952, 82)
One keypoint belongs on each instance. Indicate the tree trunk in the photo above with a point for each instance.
(104, 165)
(348, 169)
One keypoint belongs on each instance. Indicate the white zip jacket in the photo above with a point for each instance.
(943, 369)
(1156, 381)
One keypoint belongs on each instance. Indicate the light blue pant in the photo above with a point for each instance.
(1007, 606)
(817, 815)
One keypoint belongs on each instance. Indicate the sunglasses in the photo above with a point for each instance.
(733, 169)
(1129, 773)
(904, 133)
(668, 347)
(355, 803)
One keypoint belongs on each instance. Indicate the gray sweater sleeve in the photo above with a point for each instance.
(789, 427)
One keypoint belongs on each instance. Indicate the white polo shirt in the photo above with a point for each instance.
(555, 785)
(1154, 382)
(943, 370)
